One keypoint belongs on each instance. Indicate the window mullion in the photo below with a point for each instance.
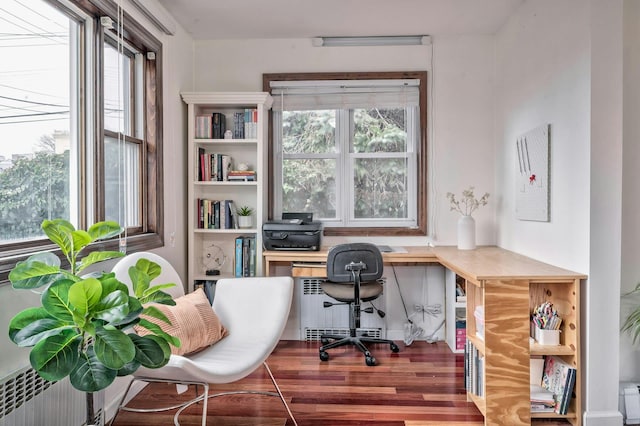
(344, 172)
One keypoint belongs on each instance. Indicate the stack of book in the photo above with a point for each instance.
(542, 400)
(211, 126)
(245, 256)
(559, 377)
(473, 369)
(216, 214)
(242, 175)
(213, 166)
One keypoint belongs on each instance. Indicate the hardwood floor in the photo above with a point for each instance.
(422, 385)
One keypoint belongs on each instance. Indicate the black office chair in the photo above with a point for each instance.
(353, 273)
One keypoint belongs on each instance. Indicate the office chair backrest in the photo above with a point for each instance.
(341, 255)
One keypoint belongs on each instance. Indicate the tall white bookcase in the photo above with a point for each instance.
(252, 151)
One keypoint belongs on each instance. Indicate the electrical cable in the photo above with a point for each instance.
(411, 331)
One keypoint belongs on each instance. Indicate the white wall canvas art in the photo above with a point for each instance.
(532, 183)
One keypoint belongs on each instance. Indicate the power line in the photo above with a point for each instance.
(26, 22)
(33, 121)
(34, 102)
(28, 91)
(34, 115)
(40, 14)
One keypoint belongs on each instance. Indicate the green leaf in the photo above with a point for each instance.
(110, 283)
(85, 294)
(80, 239)
(159, 297)
(154, 289)
(55, 300)
(37, 271)
(155, 329)
(149, 353)
(114, 307)
(129, 368)
(113, 347)
(59, 232)
(149, 267)
(32, 325)
(56, 356)
(104, 230)
(140, 281)
(98, 256)
(154, 312)
(90, 375)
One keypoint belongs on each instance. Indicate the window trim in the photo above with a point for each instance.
(422, 176)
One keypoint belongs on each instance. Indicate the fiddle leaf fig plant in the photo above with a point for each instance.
(84, 327)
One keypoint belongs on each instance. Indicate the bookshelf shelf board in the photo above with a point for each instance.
(203, 277)
(561, 350)
(225, 183)
(480, 403)
(225, 141)
(462, 305)
(477, 342)
(226, 231)
(551, 415)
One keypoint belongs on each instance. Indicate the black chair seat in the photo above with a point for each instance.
(344, 292)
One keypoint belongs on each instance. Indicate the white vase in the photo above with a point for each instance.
(466, 233)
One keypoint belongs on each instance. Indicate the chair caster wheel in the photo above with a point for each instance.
(394, 348)
(324, 356)
(370, 361)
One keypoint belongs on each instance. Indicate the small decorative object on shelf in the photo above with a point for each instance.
(244, 217)
(466, 223)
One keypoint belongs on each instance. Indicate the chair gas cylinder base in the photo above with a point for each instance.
(353, 274)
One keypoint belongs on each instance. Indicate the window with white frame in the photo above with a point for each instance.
(80, 129)
(349, 151)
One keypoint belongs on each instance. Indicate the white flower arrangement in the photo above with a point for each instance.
(468, 203)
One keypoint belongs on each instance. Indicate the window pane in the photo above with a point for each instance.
(117, 109)
(122, 184)
(35, 129)
(379, 130)
(380, 188)
(310, 132)
(309, 185)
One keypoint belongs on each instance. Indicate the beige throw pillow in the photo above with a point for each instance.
(193, 321)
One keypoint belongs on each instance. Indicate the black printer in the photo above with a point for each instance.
(293, 232)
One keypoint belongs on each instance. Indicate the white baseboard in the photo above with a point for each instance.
(602, 418)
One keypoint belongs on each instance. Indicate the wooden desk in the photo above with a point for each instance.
(414, 255)
(508, 286)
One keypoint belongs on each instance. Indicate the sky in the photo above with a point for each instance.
(34, 74)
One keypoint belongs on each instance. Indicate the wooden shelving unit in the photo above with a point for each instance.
(249, 150)
(508, 286)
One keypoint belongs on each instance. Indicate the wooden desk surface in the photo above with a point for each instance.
(483, 263)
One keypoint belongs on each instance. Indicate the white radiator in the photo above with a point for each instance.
(316, 320)
(26, 399)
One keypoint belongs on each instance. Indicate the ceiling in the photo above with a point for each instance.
(247, 19)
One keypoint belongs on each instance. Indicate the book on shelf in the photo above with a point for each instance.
(559, 377)
(215, 214)
(238, 125)
(245, 256)
(203, 127)
(241, 175)
(219, 125)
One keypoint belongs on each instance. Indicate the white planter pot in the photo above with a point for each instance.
(466, 233)
(245, 222)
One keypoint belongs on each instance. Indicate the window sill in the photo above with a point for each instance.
(135, 243)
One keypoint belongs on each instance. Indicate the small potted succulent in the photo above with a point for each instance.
(244, 217)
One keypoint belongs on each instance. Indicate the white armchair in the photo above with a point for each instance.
(253, 310)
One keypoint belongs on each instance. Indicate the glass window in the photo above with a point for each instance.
(37, 102)
(349, 151)
(79, 124)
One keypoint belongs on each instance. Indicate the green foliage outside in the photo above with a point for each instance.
(380, 183)
(32, 190)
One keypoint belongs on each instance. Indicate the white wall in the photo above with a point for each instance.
(630, 275)
(542, 71)
(560, 62)
(461, 130)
